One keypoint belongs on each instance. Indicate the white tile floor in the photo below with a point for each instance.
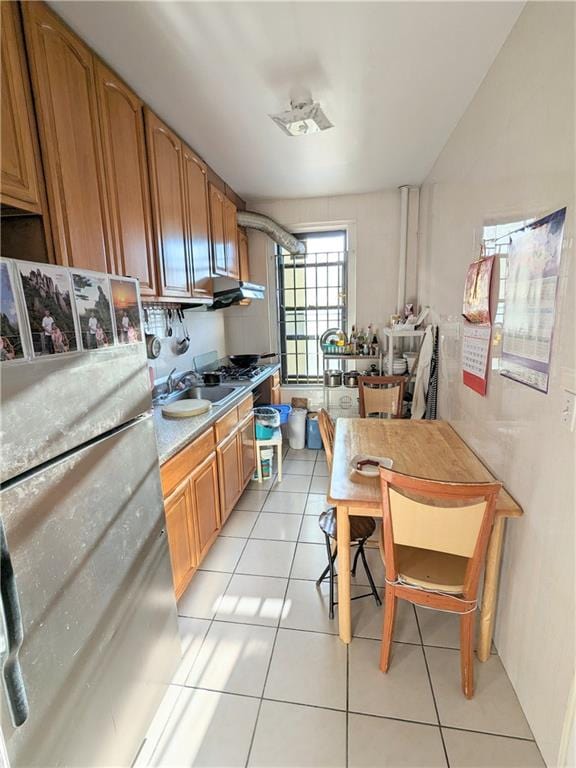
(265, 681)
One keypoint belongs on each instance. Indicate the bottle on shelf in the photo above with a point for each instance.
(353, 341)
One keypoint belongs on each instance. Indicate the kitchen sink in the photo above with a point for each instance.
(217, 394)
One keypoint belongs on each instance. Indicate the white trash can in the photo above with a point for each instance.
(297, 428)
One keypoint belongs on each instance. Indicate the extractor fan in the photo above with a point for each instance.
(306, 116)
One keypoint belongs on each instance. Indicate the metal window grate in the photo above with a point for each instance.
(311, 298)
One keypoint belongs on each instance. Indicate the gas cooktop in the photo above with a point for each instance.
(233, 373)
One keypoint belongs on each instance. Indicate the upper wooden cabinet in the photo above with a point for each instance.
(198, 218)
(243, 256)
(168, 208)
(225, 261)
(217, 225)
(62, 73)
(231, 239)
(20, 168)
(122, 125)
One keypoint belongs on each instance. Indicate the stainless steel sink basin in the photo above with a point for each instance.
(217, 394)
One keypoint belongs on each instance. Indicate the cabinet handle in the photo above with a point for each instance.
(14, 632)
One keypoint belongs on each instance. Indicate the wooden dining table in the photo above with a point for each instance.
(429, 449)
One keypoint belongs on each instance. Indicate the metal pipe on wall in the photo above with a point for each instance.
(408, 256)
(403, 256)
(272, 229)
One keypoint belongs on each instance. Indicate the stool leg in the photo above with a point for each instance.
(331, 568)
(258, 464)
(370, 579)
(353, 571)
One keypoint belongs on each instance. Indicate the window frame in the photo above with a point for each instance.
(348, 289)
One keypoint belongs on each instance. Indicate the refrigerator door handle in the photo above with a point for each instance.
(14, 634)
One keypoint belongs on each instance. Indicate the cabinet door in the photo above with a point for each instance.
(243, 256)
(19, 158)
(206, 504)
(228, 475)
(217, 226)
(178, 508)
(62, 71)
(122, 123)
(231, 239)
(197, 207)
(247, 451)
(168, 208)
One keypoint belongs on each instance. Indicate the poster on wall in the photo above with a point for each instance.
(475, 353)
(476, 304)
(530, 303)
(47, 296)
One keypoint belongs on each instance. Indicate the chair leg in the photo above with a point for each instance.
(467, 622)
(388, 628)
(331, 558)
(353, 570)
(370, 579)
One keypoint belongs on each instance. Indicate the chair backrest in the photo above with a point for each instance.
(326, 425)
(382, 395)
(455, 518)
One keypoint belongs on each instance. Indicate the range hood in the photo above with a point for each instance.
(235, 294)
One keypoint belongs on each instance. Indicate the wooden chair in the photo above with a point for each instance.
(361, 528)
(434, 540)
(381, 395)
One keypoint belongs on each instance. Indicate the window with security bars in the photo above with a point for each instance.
(311, 298)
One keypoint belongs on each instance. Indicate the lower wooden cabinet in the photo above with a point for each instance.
(205, 502)
(247, 450)
(229, 475)
(202, 484)
(178, 508)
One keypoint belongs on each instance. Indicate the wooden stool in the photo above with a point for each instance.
(274, 442)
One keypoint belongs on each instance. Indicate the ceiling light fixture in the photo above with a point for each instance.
(304, 117)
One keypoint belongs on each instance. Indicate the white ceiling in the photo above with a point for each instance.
(393, 77)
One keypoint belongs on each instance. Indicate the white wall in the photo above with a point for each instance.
(373, 223)
(206, 330)
(512, 157)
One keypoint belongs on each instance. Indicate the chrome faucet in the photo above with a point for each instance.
(170, 382)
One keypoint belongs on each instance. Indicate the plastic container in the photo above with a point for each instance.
(267, 419)
(297, 428)
(283, 410)
(313, 436)
(267, 462)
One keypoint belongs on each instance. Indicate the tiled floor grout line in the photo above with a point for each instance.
(272, 651)
(432, 689)
(354, 712)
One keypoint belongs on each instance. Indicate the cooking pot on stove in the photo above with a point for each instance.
(212, 377)
(351, 378)
(333, 377)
